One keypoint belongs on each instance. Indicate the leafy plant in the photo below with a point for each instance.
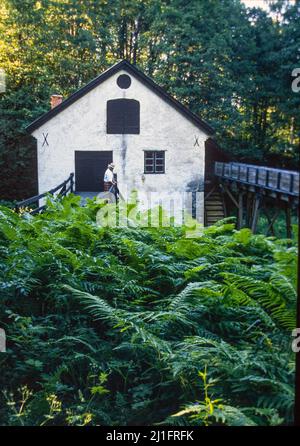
(112, 325)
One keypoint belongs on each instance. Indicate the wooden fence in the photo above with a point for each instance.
(277, 180)
(64, 188)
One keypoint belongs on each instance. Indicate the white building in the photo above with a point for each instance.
(156, 143)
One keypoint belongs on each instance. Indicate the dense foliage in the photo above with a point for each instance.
(138, 326)
(229, 64)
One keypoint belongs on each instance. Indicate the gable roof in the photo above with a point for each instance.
(131, 69)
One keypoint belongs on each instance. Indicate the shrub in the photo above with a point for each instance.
(113, 325)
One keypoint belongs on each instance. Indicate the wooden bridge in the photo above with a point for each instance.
(250, 188)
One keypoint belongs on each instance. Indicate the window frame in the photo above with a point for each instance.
(154, 159)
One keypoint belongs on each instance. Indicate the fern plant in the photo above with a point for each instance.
(146, 308)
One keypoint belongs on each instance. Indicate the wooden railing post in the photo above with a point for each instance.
(62, 190)
(72, 183)
(240, 210)
(256, 175)
(288, 220)
(278, 180)
(256, 207)
(267, 178)
(292, 183)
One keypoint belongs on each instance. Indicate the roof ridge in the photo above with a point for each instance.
(148, 81)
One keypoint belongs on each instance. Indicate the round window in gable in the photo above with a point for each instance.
(124, 81)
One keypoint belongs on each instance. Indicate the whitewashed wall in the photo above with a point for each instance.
(82, 126)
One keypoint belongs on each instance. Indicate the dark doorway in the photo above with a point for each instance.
(90, 167)
(213, 153)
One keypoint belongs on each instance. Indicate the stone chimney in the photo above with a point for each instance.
(55, 100)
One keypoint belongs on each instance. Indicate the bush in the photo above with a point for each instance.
(113, 325)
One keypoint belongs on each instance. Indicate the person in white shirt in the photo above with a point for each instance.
(109, 180)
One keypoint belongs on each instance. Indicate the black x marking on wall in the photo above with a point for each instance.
(196, 143)
(45, 139)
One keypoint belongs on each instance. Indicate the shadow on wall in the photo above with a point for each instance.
(19, 179)
(196, 185)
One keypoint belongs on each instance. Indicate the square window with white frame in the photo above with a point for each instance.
(154, 161)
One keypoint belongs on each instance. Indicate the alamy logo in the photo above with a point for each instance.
(154, 210)
(2, 81)
(2, 341)
(296, 341)
(296, 82)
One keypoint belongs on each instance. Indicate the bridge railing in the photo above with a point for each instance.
(64, 188)
(277, 180)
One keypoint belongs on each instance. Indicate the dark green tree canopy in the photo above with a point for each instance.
(230, 64)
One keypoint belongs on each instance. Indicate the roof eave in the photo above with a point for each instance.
(124, 64)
